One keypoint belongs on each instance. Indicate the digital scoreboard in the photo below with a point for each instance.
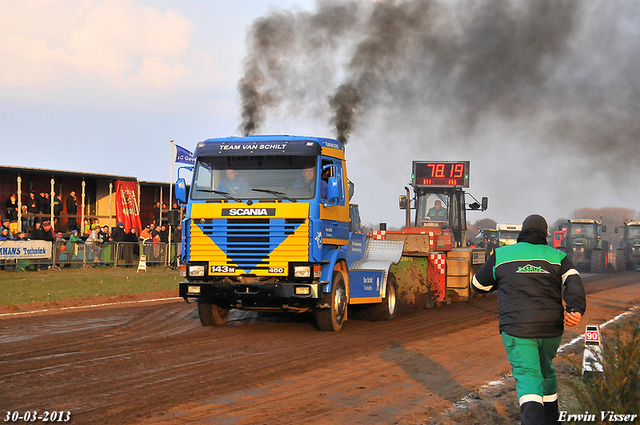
(440, 173)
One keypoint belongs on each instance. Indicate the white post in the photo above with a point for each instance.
(83, 212)
(51, 199)
(111, 224)
(19, 204)
(168, 259)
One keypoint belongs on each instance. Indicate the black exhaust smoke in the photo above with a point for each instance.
(494, 58)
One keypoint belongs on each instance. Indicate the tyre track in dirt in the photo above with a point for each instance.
(130, 365)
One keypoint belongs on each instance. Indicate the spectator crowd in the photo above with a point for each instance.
(36, 214)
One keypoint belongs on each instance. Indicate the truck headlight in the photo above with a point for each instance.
(302, 271)
(196, 271)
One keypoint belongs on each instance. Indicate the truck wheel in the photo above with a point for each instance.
(387, 309)
(389, 306)
(597, 261)
(331, 319)
(212, 314)
(621, 260)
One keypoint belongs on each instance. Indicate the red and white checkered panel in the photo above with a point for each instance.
(379, 235)
(440, 262)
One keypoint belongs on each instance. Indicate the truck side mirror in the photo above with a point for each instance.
(181, 191)
(604, 229)
(485, 203)
(615, 229)
(402, 201)
(333, 190)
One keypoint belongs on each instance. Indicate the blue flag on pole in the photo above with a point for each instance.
(184, 156)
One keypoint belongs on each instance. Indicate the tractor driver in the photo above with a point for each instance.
(437, 213)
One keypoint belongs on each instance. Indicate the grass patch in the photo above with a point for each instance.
(617, 389)
(46, 285)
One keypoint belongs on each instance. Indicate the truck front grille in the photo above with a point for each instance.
(249, 243)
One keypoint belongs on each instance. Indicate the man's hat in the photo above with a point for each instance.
(121, 224)
(535, 221)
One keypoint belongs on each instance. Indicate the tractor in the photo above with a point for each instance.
(628, 251)
(584, 245)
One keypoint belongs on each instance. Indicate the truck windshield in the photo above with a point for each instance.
(582, 230)
(509, 234)
(254, 177)
(634, 232)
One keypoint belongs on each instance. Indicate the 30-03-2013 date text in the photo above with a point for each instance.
(35, 416)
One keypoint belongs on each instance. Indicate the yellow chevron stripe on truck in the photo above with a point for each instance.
(294, 247)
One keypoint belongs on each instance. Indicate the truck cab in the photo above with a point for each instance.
(508, 233)
(269, 226)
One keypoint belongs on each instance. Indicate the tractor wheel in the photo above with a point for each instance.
(212, 314)
(621, 260)
(597, 261)
(387, 309)
(331, 319)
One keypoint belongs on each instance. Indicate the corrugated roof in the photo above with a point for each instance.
(29, 170)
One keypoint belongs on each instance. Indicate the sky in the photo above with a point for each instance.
(542, 97)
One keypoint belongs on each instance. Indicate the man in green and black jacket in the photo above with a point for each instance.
(529, 277)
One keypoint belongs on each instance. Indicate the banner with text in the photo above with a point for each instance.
(127, 209)
(15, 250)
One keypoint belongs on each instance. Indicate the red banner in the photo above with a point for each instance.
(127, 209)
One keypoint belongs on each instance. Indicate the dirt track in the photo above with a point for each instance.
(154, 364)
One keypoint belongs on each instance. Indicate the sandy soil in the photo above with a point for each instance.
(153, 363)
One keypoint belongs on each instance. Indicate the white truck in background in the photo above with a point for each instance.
(508, 233)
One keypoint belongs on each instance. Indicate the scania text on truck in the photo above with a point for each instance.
(269, 227)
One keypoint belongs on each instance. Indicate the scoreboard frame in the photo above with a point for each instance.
(440, 174)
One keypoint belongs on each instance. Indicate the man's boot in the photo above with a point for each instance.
(532, 413)
(551, 413)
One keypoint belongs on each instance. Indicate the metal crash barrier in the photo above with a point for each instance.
(18, 255)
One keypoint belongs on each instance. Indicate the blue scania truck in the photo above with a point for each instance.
(269, 227)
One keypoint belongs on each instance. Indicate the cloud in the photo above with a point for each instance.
(115, 43)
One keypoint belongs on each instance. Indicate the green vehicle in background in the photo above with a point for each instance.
(628, 251)
(584, 245)
(487, 236)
